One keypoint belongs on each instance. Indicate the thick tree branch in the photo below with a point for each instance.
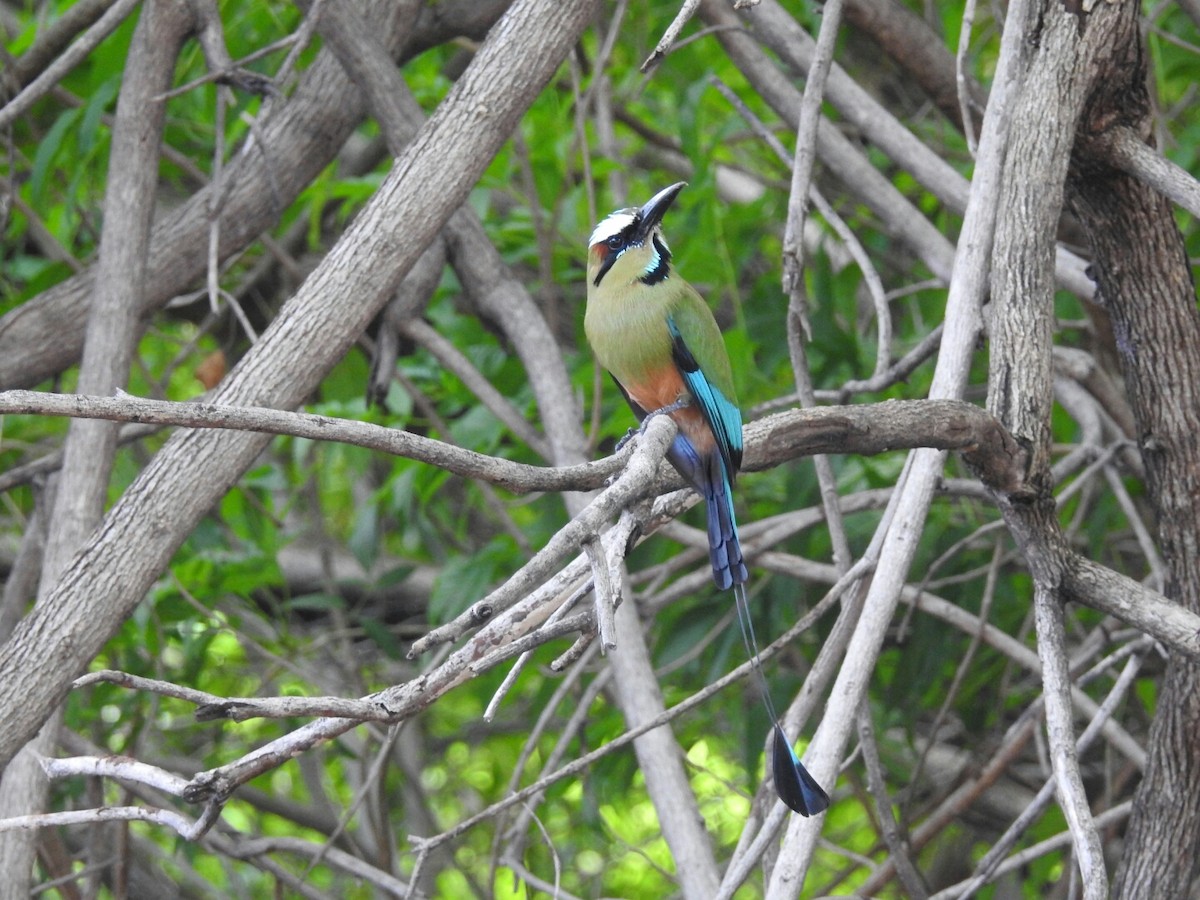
(1145, 280)
(1020, 382)
(424, 188)
(45, 335)
(865, 430)
(1135, 157)
(107, 355)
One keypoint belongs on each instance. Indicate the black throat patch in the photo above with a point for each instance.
(662, 263)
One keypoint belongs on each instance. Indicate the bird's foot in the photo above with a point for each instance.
(629, 436)
(661, 411)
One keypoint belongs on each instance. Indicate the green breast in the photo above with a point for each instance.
(626, 326)
(627, 329)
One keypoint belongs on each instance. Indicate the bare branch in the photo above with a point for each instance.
(71, 57)
(1132, 155)
(1072, 796)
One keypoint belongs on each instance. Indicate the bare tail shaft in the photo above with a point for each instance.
(793, 783)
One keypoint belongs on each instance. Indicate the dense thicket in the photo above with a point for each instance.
(360, 650)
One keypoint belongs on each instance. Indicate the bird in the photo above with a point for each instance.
(658, 339)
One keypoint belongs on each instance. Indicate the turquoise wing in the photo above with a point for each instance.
(719, 411)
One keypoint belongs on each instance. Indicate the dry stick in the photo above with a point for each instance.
(960, 671)
(71, 57)
(806, 140)
(533, 881)
(883, 315)
(518, 477)
(893, 374)
(580, 142)
(212, 274)
(514, 672)
(898, 844)
(1071, 793)
(960, 75)
(1019, 861)
(955, 805)
(796, 318)
(783, 34)
(686, 11)
(141, 776)
(368, 784)
(1021, 655)
(929, 576)
(607, 597)
(223, 73)
(581, 709)
(1133, 516)
(964, 796)
(581, 763)
(562, 746)
(246, 848)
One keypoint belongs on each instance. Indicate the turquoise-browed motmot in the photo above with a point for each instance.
(657, 337)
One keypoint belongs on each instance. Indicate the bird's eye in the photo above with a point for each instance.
(616, 242)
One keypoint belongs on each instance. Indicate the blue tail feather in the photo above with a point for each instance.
(707, 474)
(793, 783)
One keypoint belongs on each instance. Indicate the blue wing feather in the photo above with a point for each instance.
(721, 414)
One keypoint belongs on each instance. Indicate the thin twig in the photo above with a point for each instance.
(960, 76)
(70, 58)
(898, 844)
(663, 47)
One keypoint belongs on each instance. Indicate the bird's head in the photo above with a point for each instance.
(628, 245)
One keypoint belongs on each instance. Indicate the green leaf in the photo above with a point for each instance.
(47, 153)
(89, 127)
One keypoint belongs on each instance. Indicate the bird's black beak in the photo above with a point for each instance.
(656, 207)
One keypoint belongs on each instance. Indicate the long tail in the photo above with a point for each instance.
(795, 786)
(793, 783)
(724, 549)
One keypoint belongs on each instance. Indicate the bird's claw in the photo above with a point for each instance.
(662, 411)
(629, 436)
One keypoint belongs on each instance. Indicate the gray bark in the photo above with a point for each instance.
(42, 337)
(1145, 282)
(108, 351)
(107, 578)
